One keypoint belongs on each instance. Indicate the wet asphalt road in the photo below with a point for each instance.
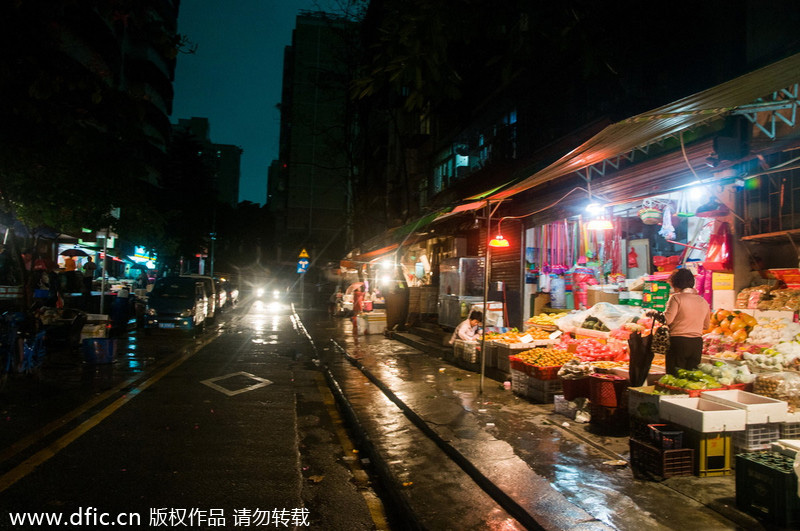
(239, 424)
(234, 429)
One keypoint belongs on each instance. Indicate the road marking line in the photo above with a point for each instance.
(27, 466)
(212, 383)
(376, 509)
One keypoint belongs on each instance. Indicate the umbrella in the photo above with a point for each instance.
(74, 252)
(352, 287)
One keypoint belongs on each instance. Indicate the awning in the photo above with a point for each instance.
(645, 129)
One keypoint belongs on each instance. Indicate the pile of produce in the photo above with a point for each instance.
(724, 347)
(515, 336)
(773, 330)
(691, 380)
(610, 364)
(732, 323)
(575, 369)
(593, 323)
(727, 374)
(782, 356)
(589, 349)
(545, 357)
(780, 386)
(544, 319)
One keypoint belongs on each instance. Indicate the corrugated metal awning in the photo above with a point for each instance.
(647, 128)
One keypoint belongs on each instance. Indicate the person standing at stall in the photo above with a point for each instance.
(687, 315)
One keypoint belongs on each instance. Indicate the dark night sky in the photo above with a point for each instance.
(234, 79)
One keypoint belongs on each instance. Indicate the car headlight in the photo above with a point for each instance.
(259, 292)
(276, 294)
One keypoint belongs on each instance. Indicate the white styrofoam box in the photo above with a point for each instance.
(702, 415)
(760, 409)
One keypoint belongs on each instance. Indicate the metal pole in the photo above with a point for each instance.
(103, 277)
(487, 258)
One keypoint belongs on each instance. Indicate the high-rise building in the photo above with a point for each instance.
(225, 159)
(308, 185)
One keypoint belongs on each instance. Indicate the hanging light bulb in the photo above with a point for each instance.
(499, 241)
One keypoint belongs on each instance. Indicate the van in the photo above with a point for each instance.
(211, 292)
(176, 303)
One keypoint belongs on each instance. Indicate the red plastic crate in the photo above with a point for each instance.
(608, 390)
(575, 388)
(545, 373)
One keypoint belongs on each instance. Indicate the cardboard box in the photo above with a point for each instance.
(593, 296)
(723, 281)
(701, 415)
(759, 409)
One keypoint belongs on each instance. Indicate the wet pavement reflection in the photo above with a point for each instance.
(502, 434)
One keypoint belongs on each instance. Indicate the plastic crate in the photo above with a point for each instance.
(608, 390)
(575, 388)
(543, 391)
(665, 436)
(609, 420)
(661, 463)
(713, 451)
(545, 373)
(756, 437)
(790, 430)
(766, 487)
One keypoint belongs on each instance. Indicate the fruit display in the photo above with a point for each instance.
(732, 323)
(691, 380)
(594, 323)
(781, 386)
(574, 369)
(515, 336)
(545, 357)
(544, 319)
(605, 365)
(776, 358)
(773, 331)
(727, 374)
(589, 349)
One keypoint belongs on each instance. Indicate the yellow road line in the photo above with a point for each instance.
(27, 466)
(374, 504)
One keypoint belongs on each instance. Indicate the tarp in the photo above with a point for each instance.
(644, 129)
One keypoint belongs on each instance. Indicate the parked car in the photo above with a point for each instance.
(176, 303)
(222, 295)
(211, 293)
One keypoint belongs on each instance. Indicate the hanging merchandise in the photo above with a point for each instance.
(718, 257)
(683, 210)
(667, 230)
(633, 259)
(650, 213)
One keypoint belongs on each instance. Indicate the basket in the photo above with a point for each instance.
(608, 390)
(756, 437)
(650, 216)
(665, 436)
(575, 388)
(545, 373)
(662, 463)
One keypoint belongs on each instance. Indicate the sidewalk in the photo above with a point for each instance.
(558, 471)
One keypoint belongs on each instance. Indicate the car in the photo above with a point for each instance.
(233, 292)
(222, 295)
(176, 302)
(211, 292)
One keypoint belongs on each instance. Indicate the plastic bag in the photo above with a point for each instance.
(718, 256)
(781, 386)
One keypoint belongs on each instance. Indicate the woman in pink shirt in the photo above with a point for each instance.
(687, 315)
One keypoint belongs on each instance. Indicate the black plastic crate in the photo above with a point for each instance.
(661, 463)
(766, 487)
(666, 436)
